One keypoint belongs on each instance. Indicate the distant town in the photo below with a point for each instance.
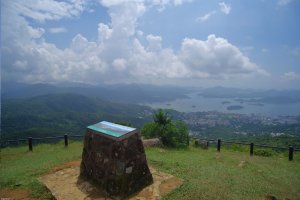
(241, 124)
(212, 119)
(237, 124)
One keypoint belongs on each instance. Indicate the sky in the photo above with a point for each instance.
(199, 43)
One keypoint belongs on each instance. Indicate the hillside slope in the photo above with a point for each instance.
(55, 114)
(124, 93)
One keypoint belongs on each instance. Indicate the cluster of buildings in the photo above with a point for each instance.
(212, 119)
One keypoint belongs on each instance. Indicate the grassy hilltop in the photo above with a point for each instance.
(206, 173)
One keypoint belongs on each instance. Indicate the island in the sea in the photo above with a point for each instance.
(235, 107)
(226, 102)
(256, 104)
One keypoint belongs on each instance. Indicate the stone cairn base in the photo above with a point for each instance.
(119, 167)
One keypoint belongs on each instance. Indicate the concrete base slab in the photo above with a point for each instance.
(65, 184)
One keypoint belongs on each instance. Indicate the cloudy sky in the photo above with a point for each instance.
(251, 43)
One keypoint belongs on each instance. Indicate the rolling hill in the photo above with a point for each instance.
(55, 114)
(125, 93)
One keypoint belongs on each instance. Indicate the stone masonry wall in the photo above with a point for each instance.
(118, 167)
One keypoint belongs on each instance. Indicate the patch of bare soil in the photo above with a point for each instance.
(242, 164)
(64, 183)
(169, 185)
(74, 163)
(14, 194)
(217, 156)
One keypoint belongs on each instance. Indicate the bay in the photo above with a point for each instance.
(196, 103)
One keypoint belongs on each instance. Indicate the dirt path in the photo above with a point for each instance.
(14, 194)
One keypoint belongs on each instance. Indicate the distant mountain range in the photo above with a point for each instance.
(128, 93)
(253, 95)
(141, 93)
(39, 110)
(58, 114)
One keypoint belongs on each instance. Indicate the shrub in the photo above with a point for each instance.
(150, 130)
(240, 148)
(171, 133)
(263, 152)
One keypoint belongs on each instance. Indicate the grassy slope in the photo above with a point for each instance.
(206, 174)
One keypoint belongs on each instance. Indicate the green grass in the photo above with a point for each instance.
(206, 174)
(211, 175)
(20, 168)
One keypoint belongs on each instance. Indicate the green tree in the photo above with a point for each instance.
(171, 133)
(162, 118)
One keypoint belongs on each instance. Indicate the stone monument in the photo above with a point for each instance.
(113, 158)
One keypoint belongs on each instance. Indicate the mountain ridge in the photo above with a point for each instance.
(127, 93)
(60, 113)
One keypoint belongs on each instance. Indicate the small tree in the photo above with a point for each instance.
(161, 118)
(171, 133)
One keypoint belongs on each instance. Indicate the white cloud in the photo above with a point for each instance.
(20, 64)
(162, 64)
(27, 57)
(57, 30)
(291, 76)
(119, 64)
(225, 8)
(104, 32)
(124, 16)
(117, 55)
(166, 2)
(217, 58)
(206, 16)
(284, 2)
(41, 10)
(140, 33)
(80, 43)
(159, 3)
(154, 42)
(179, 2)
(35, 32)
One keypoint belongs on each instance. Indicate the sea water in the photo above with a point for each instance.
(195, 103)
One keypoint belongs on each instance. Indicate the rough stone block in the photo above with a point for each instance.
(113, 158)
